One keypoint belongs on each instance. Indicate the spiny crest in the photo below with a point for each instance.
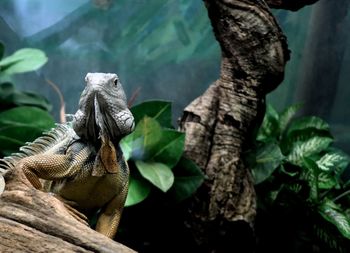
(62, 133)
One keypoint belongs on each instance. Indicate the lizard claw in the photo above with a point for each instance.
(76, 214)
(69, 205)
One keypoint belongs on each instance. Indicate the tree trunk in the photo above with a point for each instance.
(34, 221)
(221, 123)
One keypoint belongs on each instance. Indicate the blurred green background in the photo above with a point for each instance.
(167, 48)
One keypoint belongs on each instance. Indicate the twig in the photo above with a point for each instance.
(60, 95)
(134, 96)
(341, 195)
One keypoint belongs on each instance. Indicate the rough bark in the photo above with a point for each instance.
(34, 221)
(292, 5)
(220, 124)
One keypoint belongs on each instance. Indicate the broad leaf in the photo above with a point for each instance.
(288, 141)
(170, 147)
(308, 122)
(126, 146)
(312, 176)
(327, 181)
(188, 177)
(156, 109)
(334, 160)
(9, 145)
(286, 116)
(23, 60)
(21, 133)
(158, 174)
(9, 97)
(290, 170)
(265, 160)
(270, 126)
(308, 148)
(139, 190)
(335, 215)
(143, 142)
(22, 124)
(26, 116)
(31, 99)
(6, 90)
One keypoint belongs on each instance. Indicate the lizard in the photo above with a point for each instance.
(81, 162)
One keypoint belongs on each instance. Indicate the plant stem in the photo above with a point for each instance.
(341, 195)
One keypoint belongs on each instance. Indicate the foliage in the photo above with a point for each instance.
(299, 183)
(154, 153)
(23, 60)
(23, 115)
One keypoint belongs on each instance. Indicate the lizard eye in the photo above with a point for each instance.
(116, 82)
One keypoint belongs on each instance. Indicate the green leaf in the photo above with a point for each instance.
(126, 146)
(307, 148)
(23, 60)
(188, 177)
(26, 116)
(287, 115)
(302, 130)
(308, 122)
(2, 50)
(140, 144)
(158, 174)
(170, 147)
(270, 126)
(156, 109)
(9, 145)
(289, 170)
(327, 181)
(266, 159)
(9, 97)
(288, 141)
(335, 160)
(21, 98)
(22, 124)
(335, 215)
(7, 89)
(139, 190)
(21, 133)
(312, 176)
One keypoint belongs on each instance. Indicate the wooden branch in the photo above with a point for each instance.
(292, 5)
(34, 221)
(220, 124)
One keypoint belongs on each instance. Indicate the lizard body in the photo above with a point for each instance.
(83, 164)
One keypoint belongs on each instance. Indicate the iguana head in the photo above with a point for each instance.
(103, 109)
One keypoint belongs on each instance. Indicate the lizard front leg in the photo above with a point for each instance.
(53, 166)
(108, 221)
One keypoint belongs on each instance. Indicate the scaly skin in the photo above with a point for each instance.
(85, 168)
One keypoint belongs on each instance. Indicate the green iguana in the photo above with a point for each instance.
(81, 163)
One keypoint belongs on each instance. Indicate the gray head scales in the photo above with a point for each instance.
(103, 109)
